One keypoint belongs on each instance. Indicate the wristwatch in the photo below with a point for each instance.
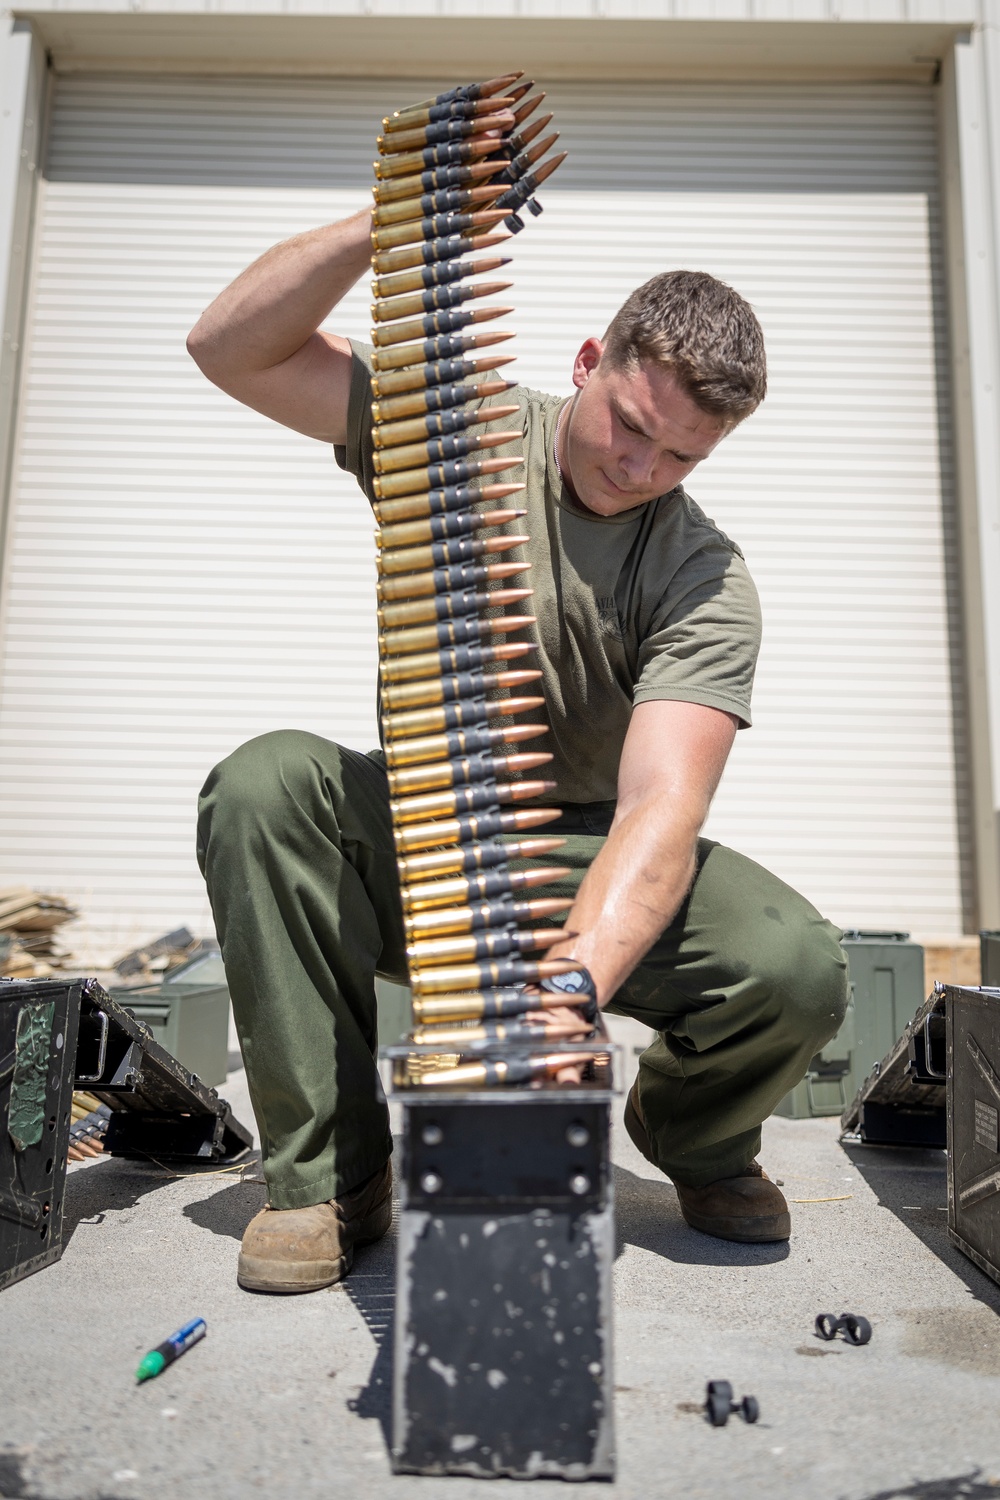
(573, 983)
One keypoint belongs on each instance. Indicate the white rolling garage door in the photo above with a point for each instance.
(182, 575)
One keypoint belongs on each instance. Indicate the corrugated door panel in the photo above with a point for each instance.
(182, 574)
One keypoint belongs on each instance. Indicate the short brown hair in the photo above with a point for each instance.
(703, 331)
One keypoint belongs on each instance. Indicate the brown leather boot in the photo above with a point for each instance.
(303, 1249)
(748, 1208)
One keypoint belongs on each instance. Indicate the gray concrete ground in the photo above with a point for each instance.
(289, 1397)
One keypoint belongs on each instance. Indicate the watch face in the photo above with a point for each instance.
(573, 983)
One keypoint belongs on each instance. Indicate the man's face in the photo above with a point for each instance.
(629, 434)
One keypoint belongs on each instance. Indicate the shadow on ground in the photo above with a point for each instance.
(647, 1214)
(15, 1484)
(107, 1187)
(912, 1183)
(229, 1211)
(371, 1286)
(961, 1487)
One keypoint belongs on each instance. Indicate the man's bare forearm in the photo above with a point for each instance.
(629, 895)
(672, 760)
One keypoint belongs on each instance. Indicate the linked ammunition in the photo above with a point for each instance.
(442, 179)
(474, 741)
(445, 607)
(502, 1071)
(443, 554)
(455, 109)
(452, 659)
(437, 227)
(522, 139)
(478, 946)
(465, 830)
(461, 919)
(440, 372)
(485, 90)
(518, 93)
(519, 165)
(498, 974)
(434, 351)
(450, 633)
(487, 855)
(452, 499)
(451, 320)
(431, 251)
(457, 578)
(490, 1031)
(462, 715)
(441, 132)
(436, 450)
(462, 770)
(437, 424)
(424, 278)
(488, 1005)
(497, 1032)
(529, 183)
(440, 475)
(457, 800)
(428, 205)
(446, 154)
(429, 895)
(529, 106)
(438, 528)
(452, 687)
(434, 299)
(437, 398)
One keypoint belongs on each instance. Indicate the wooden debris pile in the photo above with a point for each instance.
(29, 921)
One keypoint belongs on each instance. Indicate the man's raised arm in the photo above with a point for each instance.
(673, 758)
(258, 341)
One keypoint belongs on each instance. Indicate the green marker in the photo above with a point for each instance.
(172, 1348)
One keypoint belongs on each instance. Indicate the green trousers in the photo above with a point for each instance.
(295, 842)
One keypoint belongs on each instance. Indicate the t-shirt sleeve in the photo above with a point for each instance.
(355, 456)
(702, 643)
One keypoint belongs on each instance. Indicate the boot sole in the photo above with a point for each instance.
(257, 1274)
(762, 1231)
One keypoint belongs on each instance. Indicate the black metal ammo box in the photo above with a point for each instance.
(61, 1034)
(503, 1290)
(974, 1124)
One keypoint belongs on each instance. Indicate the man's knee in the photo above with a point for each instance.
(258, 783)
(805, 973)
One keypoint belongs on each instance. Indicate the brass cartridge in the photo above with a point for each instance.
(458, 742)
(478, 946)
(489, 854)
(436, 450)
(445, 607)
(439, 528)
(487, 885)
(440, 475)
(393, 560)
(443, 581)
(466, 830)
(452, 659)
(476, 796)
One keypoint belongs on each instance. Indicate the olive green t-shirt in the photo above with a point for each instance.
(656, 603)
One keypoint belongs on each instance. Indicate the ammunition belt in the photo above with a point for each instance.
(452, 176)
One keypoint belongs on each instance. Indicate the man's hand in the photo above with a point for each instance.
(673, 758)
(258, 341)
